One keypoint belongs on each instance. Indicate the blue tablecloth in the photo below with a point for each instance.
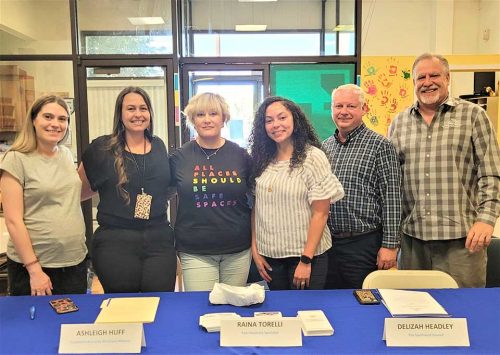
(358, 329)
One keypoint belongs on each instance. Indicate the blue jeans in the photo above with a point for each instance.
(284, 269)
(200, 272)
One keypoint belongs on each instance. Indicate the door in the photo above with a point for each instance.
(241, 85)
(100, 82)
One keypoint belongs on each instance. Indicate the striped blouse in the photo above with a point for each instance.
(283, 204)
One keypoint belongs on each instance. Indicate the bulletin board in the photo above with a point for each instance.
(388, 85)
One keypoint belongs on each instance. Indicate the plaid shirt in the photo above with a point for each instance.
(451, 170)
(367, 166)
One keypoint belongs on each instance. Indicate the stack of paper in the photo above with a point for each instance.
(128, 310)
(271, 314)
(411, 304)
(315, 323)
(211, 321)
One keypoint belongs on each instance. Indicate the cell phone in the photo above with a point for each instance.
(63, 305)
(366, 297)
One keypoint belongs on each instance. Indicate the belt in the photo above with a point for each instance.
(353, 234)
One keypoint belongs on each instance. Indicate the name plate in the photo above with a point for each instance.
(426, 332)
(261, 331)
(101, 338)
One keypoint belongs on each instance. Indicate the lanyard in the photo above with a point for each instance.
(137, 165)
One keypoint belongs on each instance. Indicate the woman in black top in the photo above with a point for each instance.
(133, 248)
(212, 228)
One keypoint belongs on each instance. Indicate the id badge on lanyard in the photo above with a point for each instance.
(143, 205)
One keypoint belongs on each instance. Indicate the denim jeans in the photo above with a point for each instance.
(200, 272)
(284, 269)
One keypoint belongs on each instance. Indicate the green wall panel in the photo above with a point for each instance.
(310, 86)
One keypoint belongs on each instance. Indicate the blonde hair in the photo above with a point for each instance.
(205, 102)
(25, 141)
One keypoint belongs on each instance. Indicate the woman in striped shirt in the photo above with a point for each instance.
(294, 187)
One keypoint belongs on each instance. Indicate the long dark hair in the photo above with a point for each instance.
(117, 142)
(263, 149)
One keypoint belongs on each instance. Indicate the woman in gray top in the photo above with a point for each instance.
(41, 201)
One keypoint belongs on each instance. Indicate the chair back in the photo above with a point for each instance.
(493, 266)
(407, 279)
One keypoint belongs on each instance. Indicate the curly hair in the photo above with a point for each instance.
(263, 149)
(117, 142)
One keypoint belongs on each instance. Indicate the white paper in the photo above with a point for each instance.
(211, 321)
(403, 303)
(315, 323)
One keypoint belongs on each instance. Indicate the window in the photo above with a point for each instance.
(125, 26)
(35, 27)
(225, 28)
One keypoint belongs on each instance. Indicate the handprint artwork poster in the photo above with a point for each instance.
(388, 86)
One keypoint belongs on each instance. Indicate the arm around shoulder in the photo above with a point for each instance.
(87, 191)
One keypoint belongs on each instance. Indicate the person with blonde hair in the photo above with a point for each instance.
(211, 174)
(133, 247)
(40, 188)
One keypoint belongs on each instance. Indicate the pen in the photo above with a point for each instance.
(32, 312)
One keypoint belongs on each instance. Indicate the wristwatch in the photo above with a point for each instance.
(305, 259)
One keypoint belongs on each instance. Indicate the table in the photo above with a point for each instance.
(358, 329)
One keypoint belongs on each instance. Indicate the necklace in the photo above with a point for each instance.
(135, 161)
(274, 178)
(211, 154)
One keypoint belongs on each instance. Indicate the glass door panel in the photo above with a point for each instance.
(105, 83)
(103, 86)
(243, 91)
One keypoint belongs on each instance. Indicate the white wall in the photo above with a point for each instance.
(411, 27)
(35, 27)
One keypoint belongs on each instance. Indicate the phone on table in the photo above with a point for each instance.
(63, 305)
(366, 297)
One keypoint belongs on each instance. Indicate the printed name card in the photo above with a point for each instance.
(426, 332)
(261, 331)
(101, 338)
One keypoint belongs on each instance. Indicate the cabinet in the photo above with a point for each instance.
(488, 103)
(17, 93)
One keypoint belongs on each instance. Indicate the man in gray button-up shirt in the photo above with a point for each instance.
(451, 178)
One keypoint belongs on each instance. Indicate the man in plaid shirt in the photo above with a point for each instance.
(364, 224)
(451, 178)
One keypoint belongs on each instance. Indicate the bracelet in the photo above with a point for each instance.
(31, 263)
